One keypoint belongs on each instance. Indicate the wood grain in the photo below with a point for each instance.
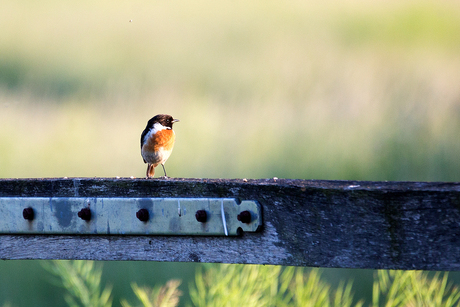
(346, 224)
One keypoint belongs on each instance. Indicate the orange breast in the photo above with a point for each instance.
(159, 146)
(163, 138)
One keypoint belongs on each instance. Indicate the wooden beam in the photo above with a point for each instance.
(342, 224)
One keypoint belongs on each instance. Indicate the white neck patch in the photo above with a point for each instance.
(156, 127)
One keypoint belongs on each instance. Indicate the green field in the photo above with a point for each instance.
(363, 90)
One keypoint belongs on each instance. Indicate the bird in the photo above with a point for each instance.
(157, 142)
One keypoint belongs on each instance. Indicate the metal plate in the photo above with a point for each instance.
(117, 216)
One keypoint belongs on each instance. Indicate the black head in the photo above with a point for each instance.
(164, 119)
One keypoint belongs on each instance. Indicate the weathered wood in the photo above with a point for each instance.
(346, 224)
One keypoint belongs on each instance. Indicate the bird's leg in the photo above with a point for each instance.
(164, 170)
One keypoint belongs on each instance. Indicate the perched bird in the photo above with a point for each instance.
(157, 142)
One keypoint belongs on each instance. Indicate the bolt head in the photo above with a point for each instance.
(28, 214)
(244, 217)
(85, 214)
(201, 216)
(143, 215)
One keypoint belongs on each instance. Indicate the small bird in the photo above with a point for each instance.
(157, 142)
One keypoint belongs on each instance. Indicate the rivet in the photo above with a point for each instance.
(85, 214)
(244, 217)
(143, 215)
(28, 214)
(201, 216)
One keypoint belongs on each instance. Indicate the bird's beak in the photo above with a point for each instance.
(175, 120)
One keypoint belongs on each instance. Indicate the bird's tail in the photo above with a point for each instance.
(150, 171)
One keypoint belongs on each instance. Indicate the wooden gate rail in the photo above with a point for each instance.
(341, 224)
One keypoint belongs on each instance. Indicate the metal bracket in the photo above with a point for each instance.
(128, 216)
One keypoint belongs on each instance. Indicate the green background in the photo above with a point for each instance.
(362, 90)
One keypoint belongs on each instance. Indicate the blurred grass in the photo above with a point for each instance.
(321, 90)
(254, 285)
(417, 25)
